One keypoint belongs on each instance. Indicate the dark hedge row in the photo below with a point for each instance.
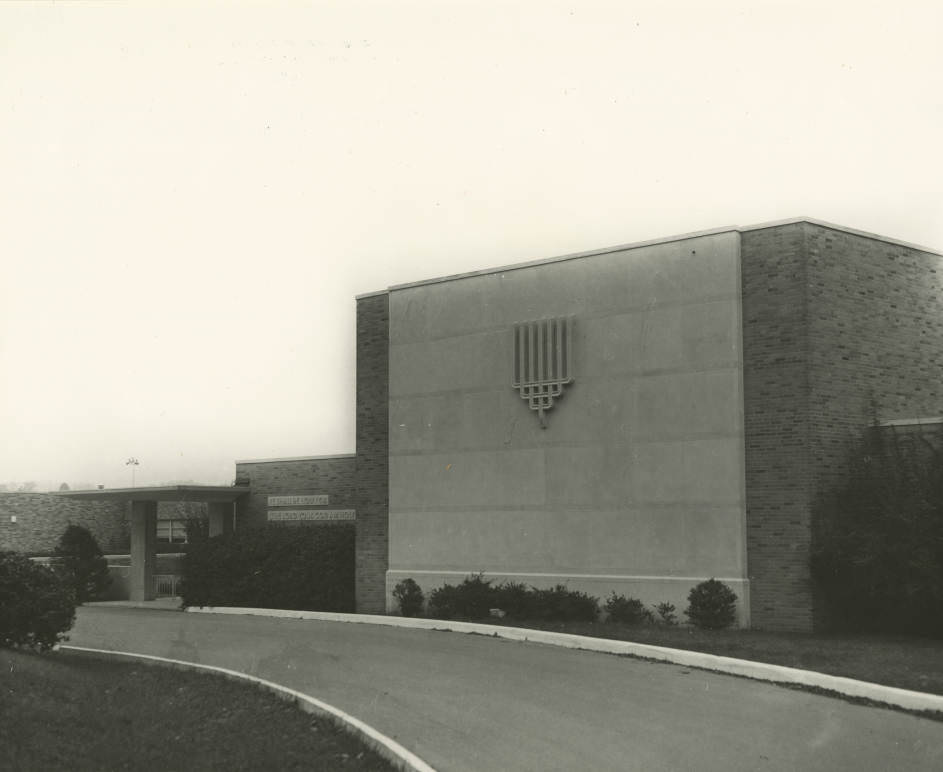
(877, 554)
(308, 569)
(712, 604)
(476, 596)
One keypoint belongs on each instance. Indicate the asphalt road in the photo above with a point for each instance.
(468, 702)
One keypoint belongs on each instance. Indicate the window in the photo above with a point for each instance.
(172, 531)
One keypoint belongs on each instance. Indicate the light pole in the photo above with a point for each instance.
(132, 462)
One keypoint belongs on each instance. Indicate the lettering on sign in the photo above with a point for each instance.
(298, 501)
(311, 514)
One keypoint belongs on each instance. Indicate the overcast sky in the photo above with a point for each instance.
(191, 196)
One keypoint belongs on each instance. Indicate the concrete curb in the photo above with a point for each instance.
(848, 687)
(386, 747)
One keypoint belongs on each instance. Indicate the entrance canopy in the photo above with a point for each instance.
(221, 493)
(221, 505)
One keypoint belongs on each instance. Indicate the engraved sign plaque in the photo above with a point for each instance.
(283, 515)
(298, 501)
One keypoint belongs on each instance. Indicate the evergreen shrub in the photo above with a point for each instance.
(564, 605)
(712, 605)
(472, 599)
(37, 607)
(630, 611)
(666, 613)
(516, 599)
(79, 561)
(409, 596)
(307, 568)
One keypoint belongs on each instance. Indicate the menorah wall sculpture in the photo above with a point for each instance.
(543, 362)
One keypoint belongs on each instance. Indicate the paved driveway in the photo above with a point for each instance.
(469, 702)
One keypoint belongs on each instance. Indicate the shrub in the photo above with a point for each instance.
(79, 561)
(712, 605)
(564, 605)
(287, 567)
(475, 597)
(666, 613)
(442, 602)
(472, 599)
(517, 600)
(877, 538)
(409, 596)
(37, 607)
(630, 611)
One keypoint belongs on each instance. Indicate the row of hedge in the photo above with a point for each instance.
(285, 567)
(712, 604)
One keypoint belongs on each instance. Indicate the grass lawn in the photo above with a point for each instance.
(905, 662)
(62, 712)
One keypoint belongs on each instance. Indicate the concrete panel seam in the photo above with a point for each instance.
(569, 575)
(391, 750)
(760, 671)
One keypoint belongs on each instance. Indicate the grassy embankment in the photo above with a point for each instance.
(63, 712)
(901, 661)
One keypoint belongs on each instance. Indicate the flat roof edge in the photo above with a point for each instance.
(843, 229)
(653, 242)
(563, 258)
(293, 458)
(377, 293)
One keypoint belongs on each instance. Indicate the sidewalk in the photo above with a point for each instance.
(161, 604)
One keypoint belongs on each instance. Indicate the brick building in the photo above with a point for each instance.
(633, 419)
(716, 381)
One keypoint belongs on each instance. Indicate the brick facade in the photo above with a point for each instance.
(836, 326)
(41, 519)
(330, 475)
(373, 498)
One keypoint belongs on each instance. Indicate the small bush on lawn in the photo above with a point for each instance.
(37, 607)
(80, 563)
(666, 613)
(471, 599)
(309, 568)
(712, 605)
(409, 596)
(564, 605)
(629, 611)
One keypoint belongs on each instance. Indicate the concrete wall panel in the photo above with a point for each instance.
(640, 471)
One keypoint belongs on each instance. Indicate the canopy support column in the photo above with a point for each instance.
(220, 517)
(143, 550)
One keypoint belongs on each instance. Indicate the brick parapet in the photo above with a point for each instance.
(372, 463)
(333, 476)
